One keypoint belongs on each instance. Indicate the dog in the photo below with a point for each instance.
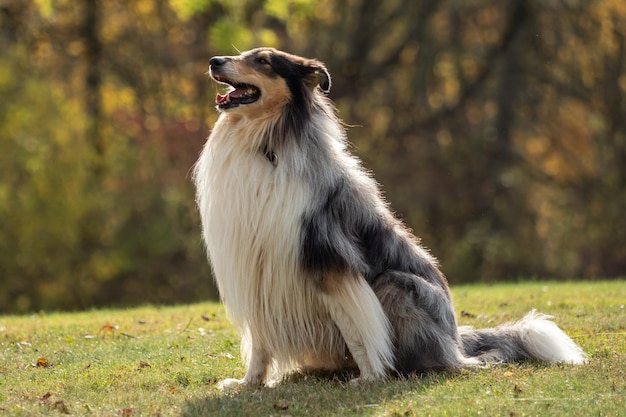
(311, 264)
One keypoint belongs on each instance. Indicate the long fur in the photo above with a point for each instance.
(310, 262)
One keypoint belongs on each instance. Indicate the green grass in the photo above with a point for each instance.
(166, 361)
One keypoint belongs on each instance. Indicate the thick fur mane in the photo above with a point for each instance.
(267, 267)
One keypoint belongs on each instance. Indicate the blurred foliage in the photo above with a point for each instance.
(497, 130)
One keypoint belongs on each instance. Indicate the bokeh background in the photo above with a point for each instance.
(496, 128)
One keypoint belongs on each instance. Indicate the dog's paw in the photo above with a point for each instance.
(230, 383)
(363, 380)
(475, 364)
(356, 382)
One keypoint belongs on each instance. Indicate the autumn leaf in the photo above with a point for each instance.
(61, 407)
(42, 363)
(144, 364)
(127, 412)
(57, 405)
(281, 406)
(467, 314)
(108, 328)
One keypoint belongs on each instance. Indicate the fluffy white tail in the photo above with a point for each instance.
(535, 336)
(544, 340)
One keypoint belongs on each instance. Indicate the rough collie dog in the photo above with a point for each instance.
(312, 266)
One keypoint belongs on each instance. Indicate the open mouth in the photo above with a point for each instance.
(239, 94)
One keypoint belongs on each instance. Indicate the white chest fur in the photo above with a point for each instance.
(251, 213)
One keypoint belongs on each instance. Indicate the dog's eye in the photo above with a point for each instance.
(262, 61)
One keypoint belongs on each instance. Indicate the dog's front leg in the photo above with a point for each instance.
(256, 373)
(358, 314)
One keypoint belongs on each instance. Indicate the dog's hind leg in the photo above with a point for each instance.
(358, 314)
(423, 321)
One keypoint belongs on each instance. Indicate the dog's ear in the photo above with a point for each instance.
(318, 75)
(311, 72)
(324, 79)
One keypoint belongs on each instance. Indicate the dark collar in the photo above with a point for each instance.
(269, 155)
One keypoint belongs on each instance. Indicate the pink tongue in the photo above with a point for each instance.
(236, 93)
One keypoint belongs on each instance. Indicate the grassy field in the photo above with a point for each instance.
(163, 361)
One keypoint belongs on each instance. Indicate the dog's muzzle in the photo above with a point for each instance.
(240, 93)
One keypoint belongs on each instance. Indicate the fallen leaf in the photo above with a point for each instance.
(205, 318)
(42, 363)
(144, 364)
(61, 407)
(509, 374)
(57, 405)
(281, 406)
(127, 412)
(467, 314)
(108, 328)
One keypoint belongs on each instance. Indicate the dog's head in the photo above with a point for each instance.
(266, 79)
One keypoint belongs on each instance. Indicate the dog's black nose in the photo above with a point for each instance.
(217, 61)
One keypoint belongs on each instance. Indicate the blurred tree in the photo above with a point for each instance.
(457, 93)
(496, 129)
(41, 176)
(99, 130)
